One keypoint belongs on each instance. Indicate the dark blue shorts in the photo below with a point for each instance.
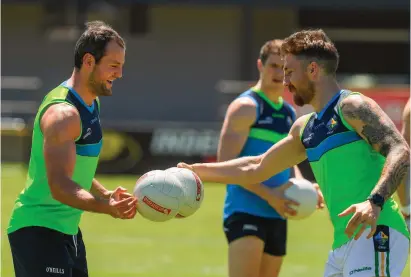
(40, 251)
(272, 231)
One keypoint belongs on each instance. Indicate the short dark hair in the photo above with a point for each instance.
(313, 45)
(94, 41)
(270, 47)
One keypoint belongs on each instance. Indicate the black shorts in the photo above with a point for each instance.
(272, 231)
(40, 251)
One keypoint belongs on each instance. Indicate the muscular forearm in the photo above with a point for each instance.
(260, 190)
(69, 193)
(396, 167)
(241, 171)
(228, 151)
(98, 190)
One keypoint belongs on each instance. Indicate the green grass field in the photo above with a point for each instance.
(191, 247)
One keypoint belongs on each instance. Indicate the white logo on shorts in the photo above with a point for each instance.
(55, 270)
(250, 227)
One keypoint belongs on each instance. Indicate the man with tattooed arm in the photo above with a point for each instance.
(404, 188)
(357, 155)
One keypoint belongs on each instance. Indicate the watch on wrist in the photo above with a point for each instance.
(377, 200)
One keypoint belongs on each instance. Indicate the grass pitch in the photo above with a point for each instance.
(191, 247)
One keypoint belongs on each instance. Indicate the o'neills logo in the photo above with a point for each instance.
(155, 206)
(198, 197)
(55, 270)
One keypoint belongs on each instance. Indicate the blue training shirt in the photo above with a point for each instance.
(273, 123)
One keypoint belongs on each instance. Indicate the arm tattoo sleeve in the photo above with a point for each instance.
(382, 134)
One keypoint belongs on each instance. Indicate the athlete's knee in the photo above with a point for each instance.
(239, 253)
(270, 265)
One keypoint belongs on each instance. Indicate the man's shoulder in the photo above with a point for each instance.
(245, 100)
(57, 94)
(60, 121)
(250, 94)
(242, 108)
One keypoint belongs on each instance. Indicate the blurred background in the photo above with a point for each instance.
(185, 62)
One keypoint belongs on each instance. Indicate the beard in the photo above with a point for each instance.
(298, 100)
(303, 96)
(98, 87)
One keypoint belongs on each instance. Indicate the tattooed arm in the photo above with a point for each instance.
(372, 124)
(375, 127)
(406, 122)
(403, 190)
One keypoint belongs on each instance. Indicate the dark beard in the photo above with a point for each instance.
(99, 89)
(305, 97)
(298, 100)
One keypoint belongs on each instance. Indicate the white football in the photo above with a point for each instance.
(303, 192)
(159, 195)
(193, 188)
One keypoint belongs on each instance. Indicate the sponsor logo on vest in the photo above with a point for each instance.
(93, 120)
(319, 125)
(307, 139)
(278, 115)
(88, 133)
(266, 120)
(331, 125)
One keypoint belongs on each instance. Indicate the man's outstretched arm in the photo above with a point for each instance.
(255, 169)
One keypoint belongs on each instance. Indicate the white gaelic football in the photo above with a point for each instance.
(303, 192)
(159, 195)
(193, 188)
